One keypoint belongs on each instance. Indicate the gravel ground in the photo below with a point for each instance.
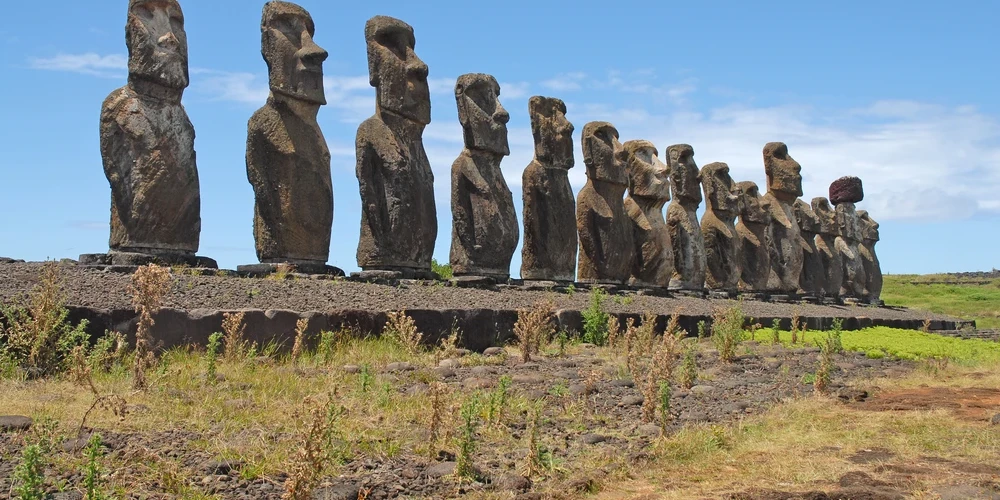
(108, 290)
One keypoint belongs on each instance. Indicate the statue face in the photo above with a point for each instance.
(157, 43)
(398, 75)
(784, 174)
(294, 61)
(603, 154)
(684, 176)
(752, 209)
(808, 220)
(483, 118)
(648, 176)
(553, 133)
(718, 186)
(826, 216)
(869, 228)
(849, 222)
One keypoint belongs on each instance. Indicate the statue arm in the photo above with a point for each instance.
(463, 207)
(373, 195)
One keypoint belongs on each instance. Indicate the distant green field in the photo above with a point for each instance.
(881, 341)
(980, 302)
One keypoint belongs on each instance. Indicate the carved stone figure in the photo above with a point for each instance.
(147, 143)
(606, 249)
(484, 224)
(648, 192)
(398, 214)
(288, 162)
(812, 281)
(550, 237)
(784, 185)
(682, 220)
(826, 246)
(873, 270)
(722, 243)
(848, 244)
(755, 221)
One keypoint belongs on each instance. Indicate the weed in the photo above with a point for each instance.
(614, 332)
(535, 450)
(439, 398)
(443, 271)
(836, 335)
(281, 272)
(307, 463)
(366, 378)
(727, 332)
(926, 327)
(659, 368)
(29, 479)
(498, 400)
(595, 320)
(571, 290)
(467, 438)
(796, 327)
(108, 352)
(212, 356)
(562, 340)
(402, 330)
(533, 327)
(689, 368)
(300, 339)
(664, 401)
(448, 345)
(236, 346)
(149, 285)
(702, 329)
(38, 335)
(776, 331)
(92, 470)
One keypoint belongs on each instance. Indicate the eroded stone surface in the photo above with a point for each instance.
(755, 221)
(648, 192)
(550, 236)
(147, 140)
(873, 269)
(846, 190)
(605, 230)
(484, 224)
(398, 213)
(784, 185)
(812, 281)
(722, 243)
(826, 246)
(848, 245)
(682, 220)
(288, 161)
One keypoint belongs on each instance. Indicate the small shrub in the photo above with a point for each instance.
(29, 479)
(533, 327)
(836, 335)
(92, 470)
(664, 401)
(236, 346)
(659, 369)
(300, 339)
(439, 403)
(467, 438)
(595, 320)
(689, 368)
(702, 329)
(614, 332)
(366, 378)
(402, 330)
(497, 403)
(797, 328)
(212, 356)
(108, 352)
(727, 332)
(776, 331)
(307, 464)
(149, 285)
(443, 271)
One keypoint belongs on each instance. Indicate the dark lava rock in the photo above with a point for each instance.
(440, 470)
(338, 492)
(494, 351)
(223, 467)
(996, 419)
(11, 423)
(593, 438)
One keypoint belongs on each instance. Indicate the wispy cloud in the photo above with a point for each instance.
(90, 63)
(244, 88)
(514, 90)
(566, 82)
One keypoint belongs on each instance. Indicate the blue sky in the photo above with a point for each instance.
(902, 94)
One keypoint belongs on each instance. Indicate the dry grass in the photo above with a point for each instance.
(149, 284)
(403, 330)
(533, 327)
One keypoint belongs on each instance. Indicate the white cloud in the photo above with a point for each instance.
(514, 90)
(244, 88)
(566, 82)
(442, 85)
(107, 66)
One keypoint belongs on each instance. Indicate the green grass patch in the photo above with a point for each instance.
(880, 341)
(980, 302)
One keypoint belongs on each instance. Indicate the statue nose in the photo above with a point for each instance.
(501, 115)
(310, 53)
(415, 66)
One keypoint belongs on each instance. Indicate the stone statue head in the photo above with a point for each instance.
(848, 222)
(718, 185)
(484, 121)
(807, 219)
(553, 133)
(603, 154)
(648, 177)
(752, 209)
(869, 227)
(398, 75)
(827, 217)
(684, 175)
(157, 43)
(784, 174)
(294, 61)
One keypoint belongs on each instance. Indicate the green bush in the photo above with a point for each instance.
(595, 320)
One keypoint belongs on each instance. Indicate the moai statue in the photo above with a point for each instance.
(812, 281)
(682, 220)
(723, 253)
(784, 185)
(550, 238)
(398, 214)
(755, 221)
(648, 192)
(288, 161)
(147, 146)
(844, 193)
(826, 247)
(873, 270)
(606, 249)
(484, 225)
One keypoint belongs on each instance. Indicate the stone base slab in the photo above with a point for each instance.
(266, 269)
(134, 260)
